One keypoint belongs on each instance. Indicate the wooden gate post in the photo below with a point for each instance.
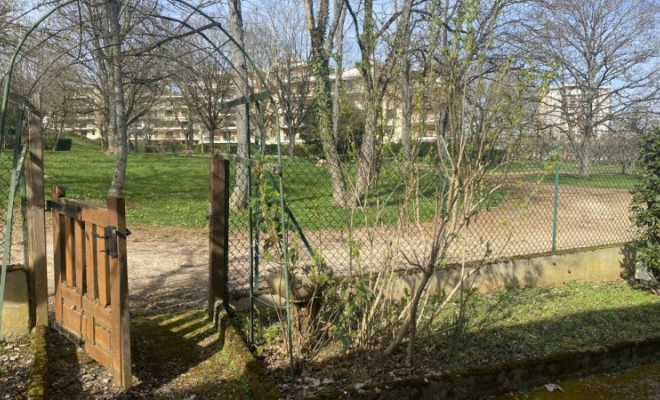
(36, 222)
(121, 323)
(219, 235)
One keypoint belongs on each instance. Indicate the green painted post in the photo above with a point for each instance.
(250, 219)
(555, 212)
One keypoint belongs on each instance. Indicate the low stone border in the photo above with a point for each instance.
(260, 384)
(39, 372)
(496, 379)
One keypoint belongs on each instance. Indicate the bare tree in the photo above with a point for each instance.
(607, 53)
(483, 105)
(204, 79)
(238, 198)
(317, 15)
(376, 78)
(278, 33)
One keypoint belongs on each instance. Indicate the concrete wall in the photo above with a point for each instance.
(15, 311)
(599, 264)
(583, 265)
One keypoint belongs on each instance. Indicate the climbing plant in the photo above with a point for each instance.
(646, 202)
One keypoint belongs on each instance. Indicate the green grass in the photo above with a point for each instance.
(160, 189)
(166, 189)
(595, 180)
(521, 323)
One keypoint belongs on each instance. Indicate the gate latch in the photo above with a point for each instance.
(110, 238)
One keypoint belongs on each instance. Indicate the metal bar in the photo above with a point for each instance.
(78, 341)
(292, 218)
(285, 251)
(257, 204)
(12, 62)
(555, 207)
(243, 100)
(250, 221)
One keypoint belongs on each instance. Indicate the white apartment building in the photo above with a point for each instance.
(563, 109)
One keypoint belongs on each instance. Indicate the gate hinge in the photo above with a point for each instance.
(71, 211)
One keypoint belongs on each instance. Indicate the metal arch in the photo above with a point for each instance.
(3, 113)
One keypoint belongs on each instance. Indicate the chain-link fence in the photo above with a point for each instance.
(10, 157)
(542, 205)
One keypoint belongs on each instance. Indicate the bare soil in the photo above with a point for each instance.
(15, 363)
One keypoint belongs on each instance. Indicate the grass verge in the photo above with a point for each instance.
(501, 327)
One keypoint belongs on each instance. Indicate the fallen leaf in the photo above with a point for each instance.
(551, 387)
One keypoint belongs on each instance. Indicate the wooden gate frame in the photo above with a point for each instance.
(91, 279)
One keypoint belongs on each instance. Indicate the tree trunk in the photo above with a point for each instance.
(406, 110)
(406, 100)
(365, 172)
(212, 140)
(292, 142)
(104, 136)
(119, 176)
(584, 156)
(189, 137)
(339, 71)
(319, 63)
(238, 198)
(59, 131)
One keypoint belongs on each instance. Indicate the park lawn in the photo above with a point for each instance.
(160, 189)
(597, 180)
(535, 322)
(166, 189)
(502, 326)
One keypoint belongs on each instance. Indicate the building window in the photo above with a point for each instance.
(169, 134)
(169, 113)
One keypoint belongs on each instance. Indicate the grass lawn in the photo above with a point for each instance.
(596, 180)
(532, 322)
(166, 189)
(506, 325)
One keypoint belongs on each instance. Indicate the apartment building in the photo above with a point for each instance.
(563, 111)
(171, 121)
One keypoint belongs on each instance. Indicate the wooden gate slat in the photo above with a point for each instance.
(72, 297)
(68, 250)
(90, 265)
(102, 263)
(79, 255)
(56, 193)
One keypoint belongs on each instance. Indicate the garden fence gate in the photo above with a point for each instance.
(91, 280)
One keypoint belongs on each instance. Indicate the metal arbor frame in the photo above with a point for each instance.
(279, 184)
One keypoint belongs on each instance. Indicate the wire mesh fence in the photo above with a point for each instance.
(9, 160)
(541, 205)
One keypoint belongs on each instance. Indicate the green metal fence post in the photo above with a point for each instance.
(248, 154)
(555, 210)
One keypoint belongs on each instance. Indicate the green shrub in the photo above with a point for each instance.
(63, 144)
(646, 202)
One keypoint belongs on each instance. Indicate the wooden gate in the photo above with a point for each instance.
(91, 280)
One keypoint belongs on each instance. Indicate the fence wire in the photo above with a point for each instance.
(517, 220)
